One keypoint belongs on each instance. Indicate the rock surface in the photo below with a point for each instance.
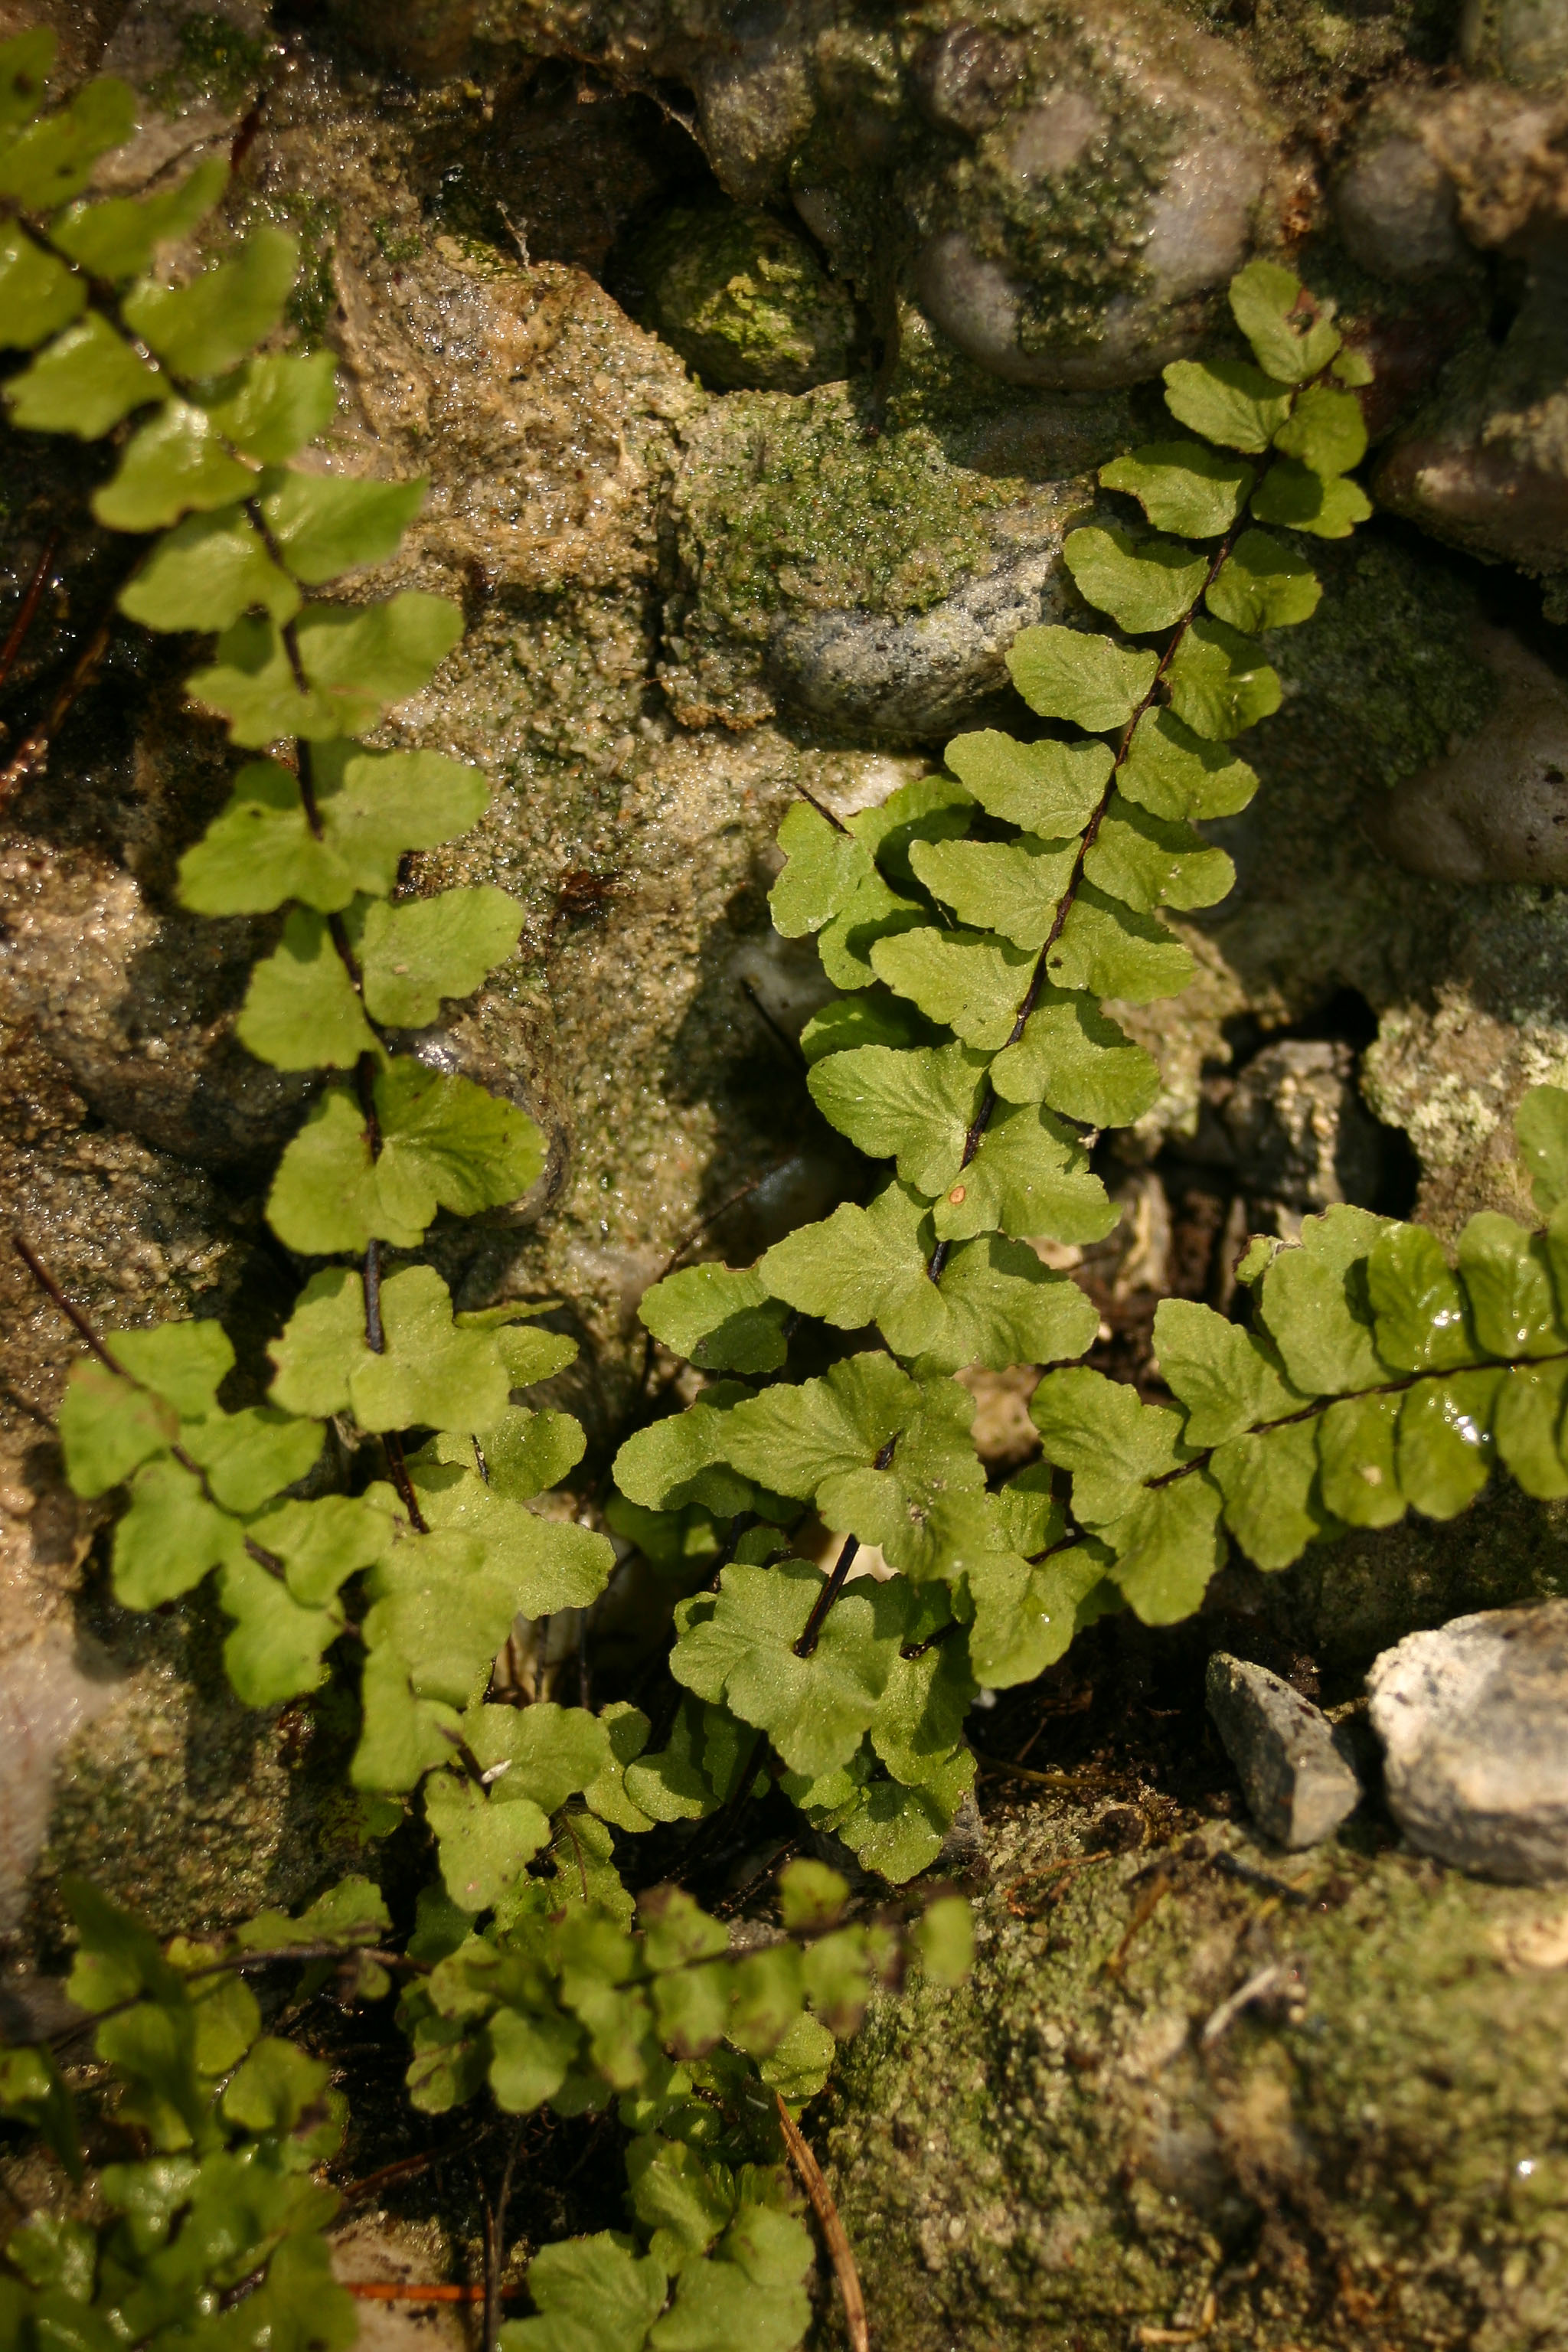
(1184, 2094)
(1298, 1784)
(1473, 1717)
(1495, 808)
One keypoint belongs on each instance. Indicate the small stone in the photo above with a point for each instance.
(1474, 1722)
(1496, 808)
(1298, 1786)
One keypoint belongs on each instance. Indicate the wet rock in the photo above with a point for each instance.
(1136, 2106)
(1298, 1784)
(1496, 808)
(1472, 1719)
(743, 300)
(1485, 461)
(961, 79)
(1301, 1136)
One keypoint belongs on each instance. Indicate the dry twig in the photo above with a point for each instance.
(831, 2227)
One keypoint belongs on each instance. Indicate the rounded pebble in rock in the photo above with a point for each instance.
(1473, 1719)
(1495, 809)
(962, 78)
(1080, 244)
(1396, 211)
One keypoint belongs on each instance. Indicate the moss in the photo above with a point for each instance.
(795, 503)
(1088, 2148)
(219, 65)
(743, 299)
(1315, 56)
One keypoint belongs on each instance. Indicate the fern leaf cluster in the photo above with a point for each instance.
(372, 1519)
(973, 925)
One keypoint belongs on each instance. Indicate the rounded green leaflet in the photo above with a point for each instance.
(1173, 772)
(1326, 430)
(1183, 486)
(1112, 950)
(970, 981)
(911, 1106)
(38, 295)
(1014, 887)
(1167, 1547)
(1071, 674)
(251, 1455)
(446, 1143)
(1143, 584)
(260, 851)
(1292, 337)
(86, 380)
(107, 1426)
(25, 62)
(324, 524)
(1227, 401)
(116, 238)
(1541, 1130)
(175, 462)
(1073, 1058)
(1029, 1177)
(1219, 686)
(1356, 1463)
(823, 865)
(720, 1318)
(423, 951)
(211, 325)
(273, 405)
(205, 572)
(1293, 494)
(51, 161)
(1051, 788)
(1264, 583)
(1149, 862)
(302, 1011)
(169, 1537)
(275, 1652)
(357, 659)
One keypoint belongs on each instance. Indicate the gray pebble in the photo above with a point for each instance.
(1298, 1785)
(1474, 1722)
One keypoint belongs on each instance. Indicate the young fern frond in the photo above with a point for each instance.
(973, 924)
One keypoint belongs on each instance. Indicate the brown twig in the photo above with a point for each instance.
(833, 2231)
(381, 2291)
(36, 743)
(32, 595)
